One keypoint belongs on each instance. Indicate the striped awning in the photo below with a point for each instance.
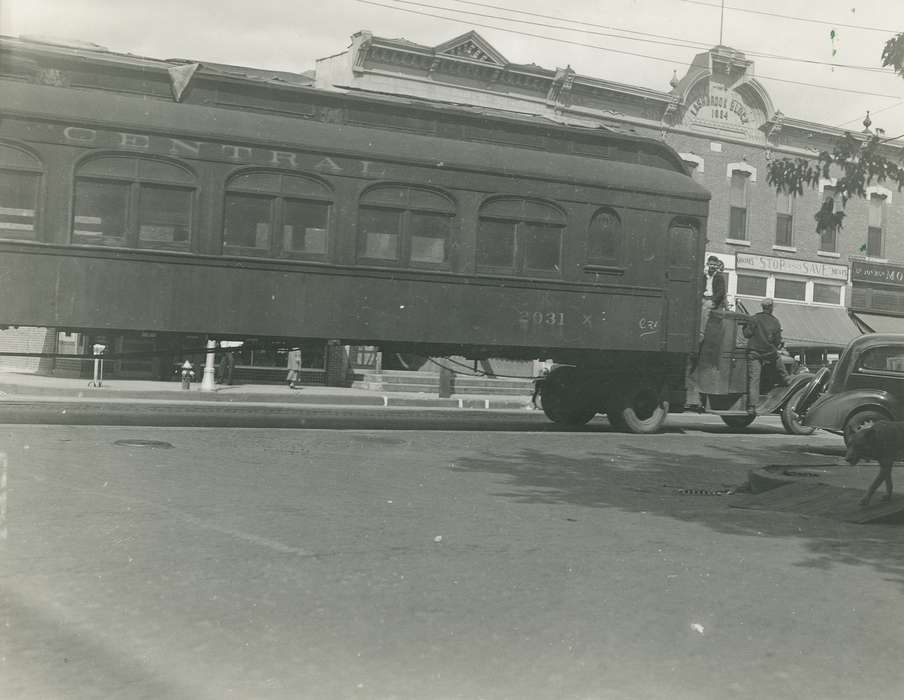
(811, 326)
(881, 324)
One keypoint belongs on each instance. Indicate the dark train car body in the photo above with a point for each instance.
(251, 208)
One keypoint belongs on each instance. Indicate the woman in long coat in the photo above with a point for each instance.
(294, 364)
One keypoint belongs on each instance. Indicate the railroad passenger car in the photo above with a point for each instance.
(180, 198)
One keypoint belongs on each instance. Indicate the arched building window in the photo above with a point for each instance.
(133, 202)
(20, 187)
(260, 204)
(401, 225)
(604, 240)
(520, 236)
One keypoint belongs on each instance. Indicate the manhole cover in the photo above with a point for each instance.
(144, 443)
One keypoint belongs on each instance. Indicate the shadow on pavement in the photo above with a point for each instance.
(647, 480)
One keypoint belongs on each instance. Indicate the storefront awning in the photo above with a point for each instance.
(806, 326)
(881, 324)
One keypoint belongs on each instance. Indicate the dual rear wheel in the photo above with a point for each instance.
(570, 397)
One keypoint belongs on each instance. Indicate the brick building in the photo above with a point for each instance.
(722, 121)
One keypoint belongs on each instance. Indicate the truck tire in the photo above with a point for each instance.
(738, 422)
(642, 410)
(561, 399)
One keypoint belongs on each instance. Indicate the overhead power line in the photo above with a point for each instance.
(884, 30)
(685, 43)
(673, 62)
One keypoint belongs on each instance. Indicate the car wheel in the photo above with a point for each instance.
(860, 420)
(791, 419)
(738, 422)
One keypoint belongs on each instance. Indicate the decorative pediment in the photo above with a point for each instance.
(474, 47)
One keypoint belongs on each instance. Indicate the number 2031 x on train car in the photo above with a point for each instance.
(247, 209)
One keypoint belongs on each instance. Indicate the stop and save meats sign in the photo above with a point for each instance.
(791, 266)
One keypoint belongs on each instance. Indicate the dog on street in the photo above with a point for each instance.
(883, 442)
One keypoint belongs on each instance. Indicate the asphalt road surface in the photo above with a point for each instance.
(418, 564)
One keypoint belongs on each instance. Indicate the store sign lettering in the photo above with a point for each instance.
(233, 153)
(877, 272)
(718, 108)
(791, 266)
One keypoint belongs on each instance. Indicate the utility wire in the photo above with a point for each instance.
(884, 30)
(873, 112)
(680, 42)
(672, 62)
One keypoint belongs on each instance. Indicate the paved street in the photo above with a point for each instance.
(437, 562)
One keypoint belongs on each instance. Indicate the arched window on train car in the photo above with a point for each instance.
(20, 190)
(605, 245)
(275, 214)
(407, 226)
(133, 202)
(520, 237)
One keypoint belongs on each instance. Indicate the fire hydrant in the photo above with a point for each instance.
(188, 373)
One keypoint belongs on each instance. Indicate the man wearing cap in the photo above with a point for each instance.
(764, 340)
(714, 282)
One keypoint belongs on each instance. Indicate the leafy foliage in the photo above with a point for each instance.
(858, 158)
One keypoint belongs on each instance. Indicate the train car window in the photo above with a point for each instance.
(20, 186)
(164, 214)
(261, 204)
(604, 240)
(381, 232)
(134, 203)
(408, 226)
(519, 236)
(248, 221)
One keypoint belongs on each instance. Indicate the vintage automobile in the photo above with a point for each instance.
(867, 385)
(721, 377)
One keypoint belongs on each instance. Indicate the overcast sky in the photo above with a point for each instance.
(291, 35)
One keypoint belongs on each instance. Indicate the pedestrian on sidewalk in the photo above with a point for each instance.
(227, 367)
(294, 364)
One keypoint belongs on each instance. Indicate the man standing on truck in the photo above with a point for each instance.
(764, 340)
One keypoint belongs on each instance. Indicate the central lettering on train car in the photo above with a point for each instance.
(206, 150)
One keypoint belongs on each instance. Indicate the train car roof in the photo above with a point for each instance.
(659, 170)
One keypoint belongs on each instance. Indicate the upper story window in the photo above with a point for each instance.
(784, 219)
(874, 242)
(737, 222)
(133, 202)
(20, 185)
(399, 225)
(604, 240)
(520, 236)
(828, 241)
(271, 214)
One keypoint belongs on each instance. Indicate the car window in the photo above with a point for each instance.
(883, 359)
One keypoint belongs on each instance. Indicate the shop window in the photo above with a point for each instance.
(520, 236)
(604, 244)
(826, 293)
(20, 184)
(133, 202)
(737, 224)
(790, 289)
(259, 205)
(828, 240)
(752, 285)
(784, 220)
(874, 246)
(407, 226)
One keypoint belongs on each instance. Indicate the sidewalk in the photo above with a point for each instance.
(39, 388)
